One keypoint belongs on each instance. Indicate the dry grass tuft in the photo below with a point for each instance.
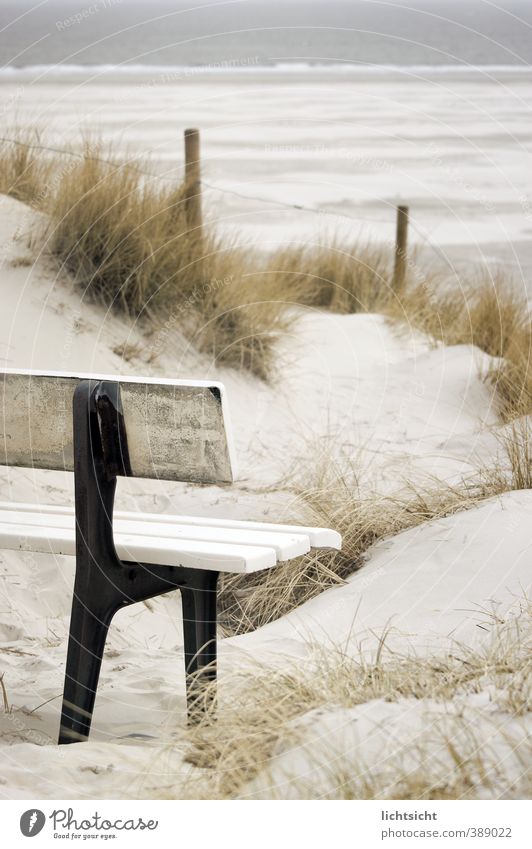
(494, 315)
(122, 237)
(125, 239)
(24, 171)
(517, 444)
(241, 314)
(335, 500)
(488, 312)
(5, 700)
(262, 718)
(129, 351)
(333, 276)
(512, 376)
(512, 470)
(23, 261)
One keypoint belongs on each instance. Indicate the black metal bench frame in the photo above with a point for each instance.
(105, 584)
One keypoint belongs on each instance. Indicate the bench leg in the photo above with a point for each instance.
(199, 632)
(86, 643)
(104, 583)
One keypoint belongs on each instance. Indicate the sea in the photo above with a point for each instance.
(317, 119)
(130, 37)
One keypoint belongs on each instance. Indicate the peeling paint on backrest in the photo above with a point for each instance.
(176, 430)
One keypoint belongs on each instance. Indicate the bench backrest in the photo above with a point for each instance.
(176, 430)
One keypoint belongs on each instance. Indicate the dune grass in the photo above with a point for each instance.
(487, 311)
(512, 377)
(5, 700)
(512, 469)
(238, 313)
(517, 445)
(264, 718)
(247, 602)
(24, 170)
(343, 278)
(335, 499)
(125, 239)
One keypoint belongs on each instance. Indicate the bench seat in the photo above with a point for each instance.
(192, 542)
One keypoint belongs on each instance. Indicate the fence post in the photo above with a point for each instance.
(193, 181)
(401, 241)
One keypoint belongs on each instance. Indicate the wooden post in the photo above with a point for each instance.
(401, 242)
(193, 181)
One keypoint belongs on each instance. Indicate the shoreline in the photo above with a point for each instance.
(252, 71)
(291, 156)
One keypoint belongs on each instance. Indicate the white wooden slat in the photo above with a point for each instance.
(196, 554)
(319, 537)
(287, 546)
(192, 554)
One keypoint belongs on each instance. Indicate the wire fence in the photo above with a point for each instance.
(222, 190)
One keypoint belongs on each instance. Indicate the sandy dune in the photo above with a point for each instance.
(399, 406)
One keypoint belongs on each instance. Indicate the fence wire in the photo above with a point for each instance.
(256, 198)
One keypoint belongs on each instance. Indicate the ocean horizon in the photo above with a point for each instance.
(313, 116)
(167, 72)
(65, 37)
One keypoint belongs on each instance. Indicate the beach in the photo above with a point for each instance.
(395, 411)
(350, 144)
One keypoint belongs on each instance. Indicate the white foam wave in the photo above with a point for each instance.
(174, 73)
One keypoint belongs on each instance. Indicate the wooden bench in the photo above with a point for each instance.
(101, 428)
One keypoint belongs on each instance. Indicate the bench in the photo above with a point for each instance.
(101, 428)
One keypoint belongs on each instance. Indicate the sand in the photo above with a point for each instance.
(401, 407)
